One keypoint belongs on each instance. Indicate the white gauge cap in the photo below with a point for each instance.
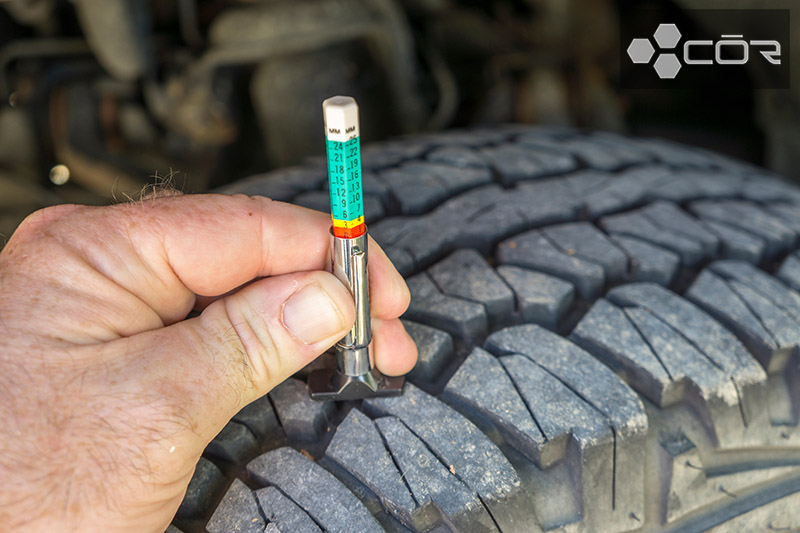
(341, 118)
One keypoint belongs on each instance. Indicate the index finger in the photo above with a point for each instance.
(211, 244)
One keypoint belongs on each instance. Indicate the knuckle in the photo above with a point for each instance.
(37, 221)
(257, 354)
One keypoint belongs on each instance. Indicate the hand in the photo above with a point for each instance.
(107, 395)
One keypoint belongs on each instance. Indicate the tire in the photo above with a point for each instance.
(608, 331)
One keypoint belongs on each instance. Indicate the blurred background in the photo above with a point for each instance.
(100, 97)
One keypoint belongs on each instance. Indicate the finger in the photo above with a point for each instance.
(165, 251)
(240, 347)
(383, 279)
(394, 351)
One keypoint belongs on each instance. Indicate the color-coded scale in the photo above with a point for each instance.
(343, 147)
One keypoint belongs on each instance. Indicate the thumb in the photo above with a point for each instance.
(242, 346)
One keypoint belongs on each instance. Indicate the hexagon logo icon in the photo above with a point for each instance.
(640, 50)
(667, 66)
(667, 35)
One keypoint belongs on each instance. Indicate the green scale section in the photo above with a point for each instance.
(344, 179)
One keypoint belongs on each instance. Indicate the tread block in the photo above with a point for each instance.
(709, 337)
(787, 213)
(597, 152)
(782, 327)
(789, 272)
(237, 513)
(749, 218)
(607, 332)
(710, 292)
(676, 154)
(457, 156)
(417, 187)
(466, 321)
(284, 513)
(584, 182)
(541, 202)
(535, 251)
(435, 350)
(597, 385)
(259, 417)
(623, 191)
(357, 447)
(737, 244)
(320, 200)
(235, 443)
(206, 485)
(772, 289)
(765, 188)
(558, 410)
(515, 162)
(431, 482)
(477, 219)
(584, 240)
(578, 370)
(303, 419)
(685, 185)
(658, 362)
(314, 489)
(467, 452)
(669, 216)
(719, 404)
(481, 385)
(565, 417)
(638, 225)
(541, 299)
(649, 262)
(466, 274)
(705, 333)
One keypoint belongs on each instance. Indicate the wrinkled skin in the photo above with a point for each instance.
(107, 395)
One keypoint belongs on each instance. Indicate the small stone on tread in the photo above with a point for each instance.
(237, 512)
